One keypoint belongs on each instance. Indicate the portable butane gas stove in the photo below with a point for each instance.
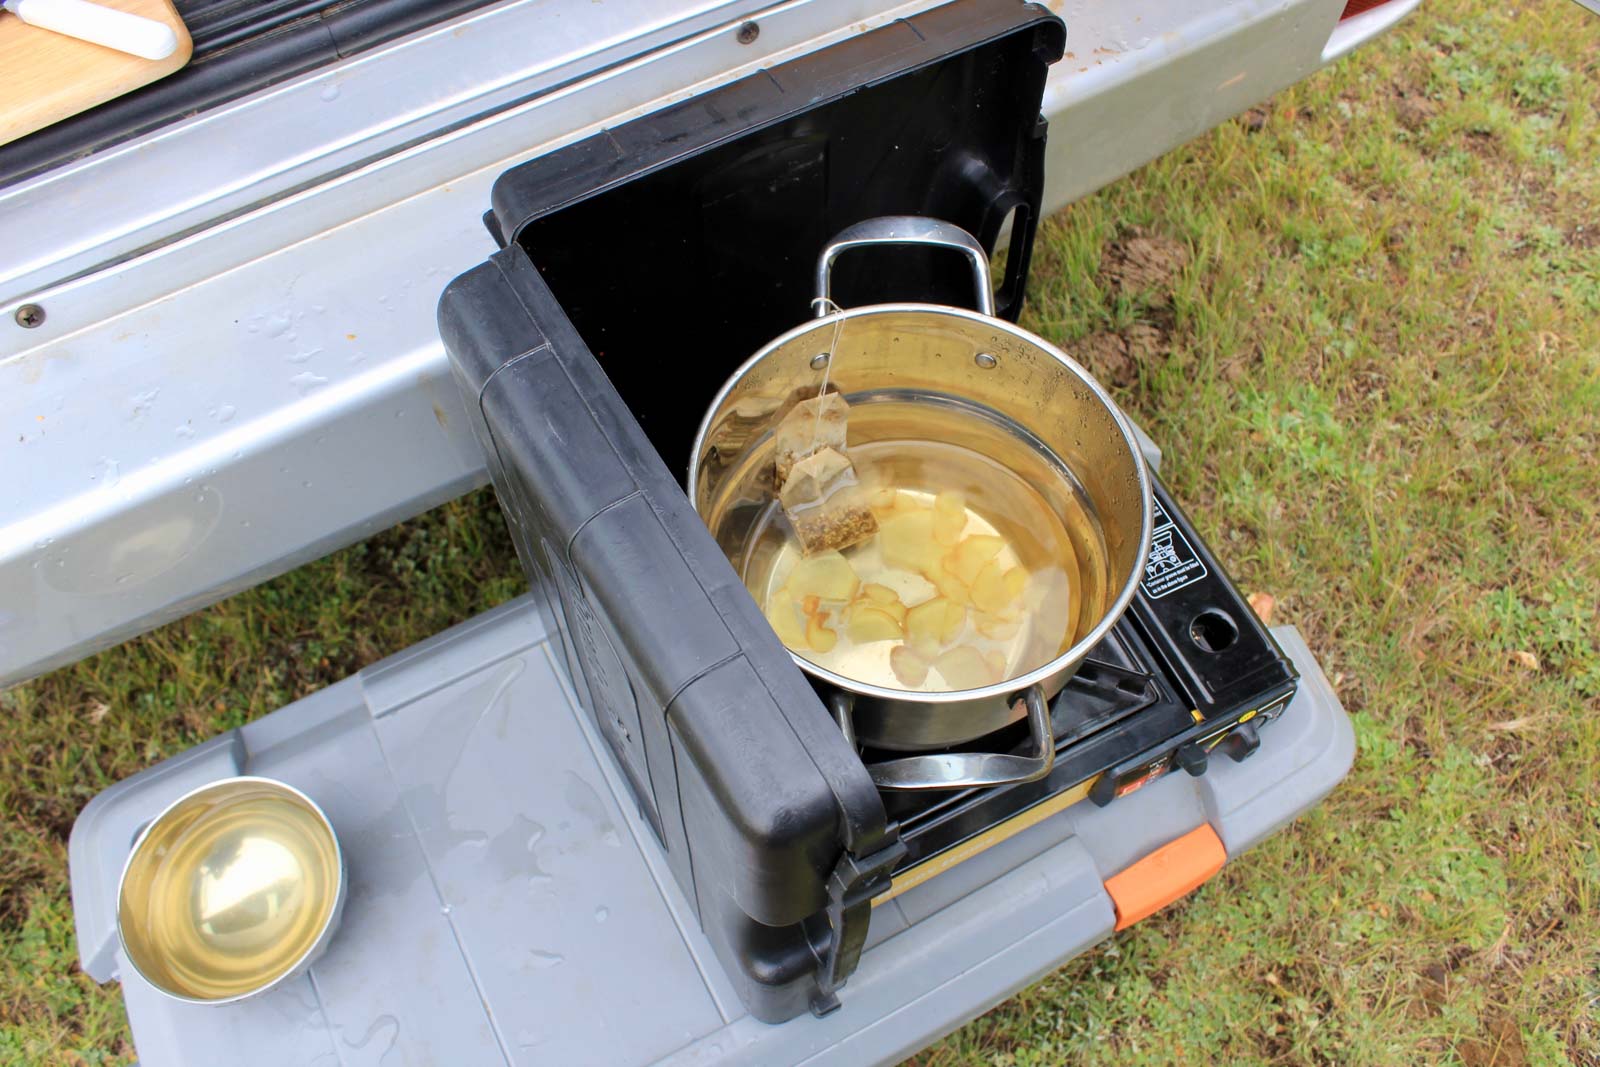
(624, 828)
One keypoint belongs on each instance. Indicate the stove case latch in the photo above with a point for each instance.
(855, 881)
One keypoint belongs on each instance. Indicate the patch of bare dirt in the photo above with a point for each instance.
(1114, 357)
(1584, 236)
(1106, 356)
(1145, 264)
(1414, 111)
(1500, 1046)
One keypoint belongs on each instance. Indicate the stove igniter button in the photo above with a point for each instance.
(1192, 758)
(1241, 741)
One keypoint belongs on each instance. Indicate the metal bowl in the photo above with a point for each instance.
(236, 887)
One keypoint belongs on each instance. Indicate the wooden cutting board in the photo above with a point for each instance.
(48, 77)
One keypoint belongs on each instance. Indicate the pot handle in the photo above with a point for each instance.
(961, 770)
(905, 230)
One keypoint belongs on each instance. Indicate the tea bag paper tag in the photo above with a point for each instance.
(807, 428)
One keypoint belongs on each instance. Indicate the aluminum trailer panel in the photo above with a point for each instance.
(238, 369)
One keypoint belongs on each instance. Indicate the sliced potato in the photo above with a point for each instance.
(968, 558)
(906, 540)
(811, 605)
(908, 666)
(989, 589)
(963, 667)
(1016, 580)
(951, 502)
(818, 636)
(885, 600)
(996, 627)
(955, 618)
(948, 527)
(786, 621)
(866, 623)
(950, 587)
(924, 621)
(879, 593)
(827, 576)
(938, 621)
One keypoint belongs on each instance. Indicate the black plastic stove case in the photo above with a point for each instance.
(638, 269)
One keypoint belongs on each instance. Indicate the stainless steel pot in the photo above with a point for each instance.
(1037, 406)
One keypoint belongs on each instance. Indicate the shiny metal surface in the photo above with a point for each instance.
(1052, 408)
(905, 230)
(265, 383)
(239, 369)
(232, 889)
(962, 770)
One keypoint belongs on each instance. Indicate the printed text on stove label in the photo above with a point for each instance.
(1173, 562)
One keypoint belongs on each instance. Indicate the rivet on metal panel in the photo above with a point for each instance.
(30, 315)
(747, 33)
(985, 360)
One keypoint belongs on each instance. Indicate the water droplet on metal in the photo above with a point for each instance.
(305, 382)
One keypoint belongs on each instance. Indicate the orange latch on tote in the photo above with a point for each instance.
(1165, 875)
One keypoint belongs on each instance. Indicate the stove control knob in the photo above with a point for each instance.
(1192, 758)
(1241, 741)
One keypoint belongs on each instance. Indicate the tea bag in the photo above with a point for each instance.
(808, 427)
(825, 503)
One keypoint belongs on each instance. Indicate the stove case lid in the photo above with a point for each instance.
(688, 238)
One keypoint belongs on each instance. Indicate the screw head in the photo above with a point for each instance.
(985, 360)
(747, 33)
(30, 315)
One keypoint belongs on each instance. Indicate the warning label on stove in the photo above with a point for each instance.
(1173, 562)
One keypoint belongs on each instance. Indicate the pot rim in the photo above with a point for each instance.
(330, 922)
(1080, 648)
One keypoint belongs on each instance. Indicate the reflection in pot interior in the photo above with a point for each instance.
(988, 560)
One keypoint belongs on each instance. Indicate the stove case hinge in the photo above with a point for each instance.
(852, 885)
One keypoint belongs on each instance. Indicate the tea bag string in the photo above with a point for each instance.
(826, 306)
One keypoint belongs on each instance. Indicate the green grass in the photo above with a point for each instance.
(1364, 322)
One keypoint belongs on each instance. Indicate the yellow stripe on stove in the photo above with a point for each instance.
(915, 876)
